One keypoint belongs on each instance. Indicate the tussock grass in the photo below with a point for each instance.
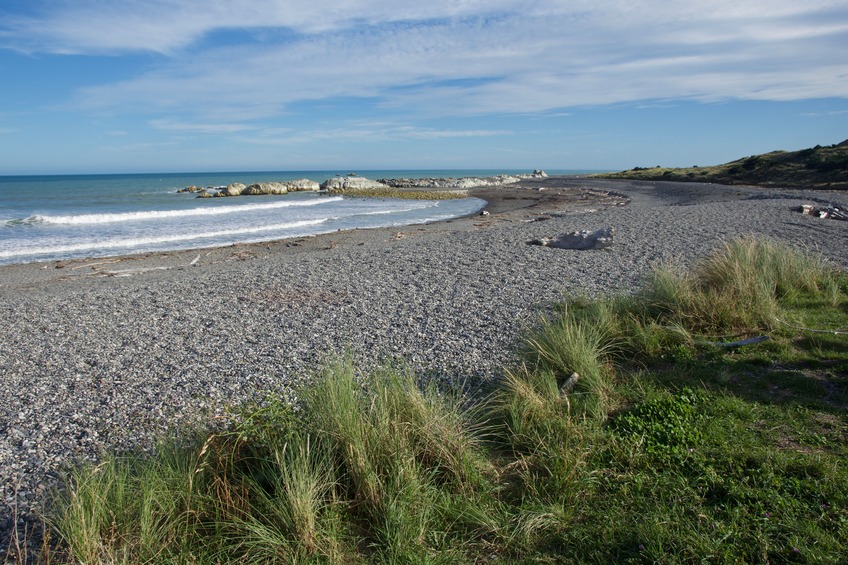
(740, 288)
(665, 450)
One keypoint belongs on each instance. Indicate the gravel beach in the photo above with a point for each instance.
(110, 354)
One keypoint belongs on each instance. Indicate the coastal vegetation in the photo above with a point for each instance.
(635, 428)
(819, 167)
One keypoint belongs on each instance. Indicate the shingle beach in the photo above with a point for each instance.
(111, 354)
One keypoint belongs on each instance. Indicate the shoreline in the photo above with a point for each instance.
(506, 201)
(94, 359)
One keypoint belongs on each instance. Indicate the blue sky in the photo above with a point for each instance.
(206, 85)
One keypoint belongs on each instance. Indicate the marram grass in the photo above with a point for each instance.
(665, 450)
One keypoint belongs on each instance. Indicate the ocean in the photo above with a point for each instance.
(47, 218)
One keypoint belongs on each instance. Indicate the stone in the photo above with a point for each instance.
(259, 188)
(303, 185)
(234, 189)
(351, 184)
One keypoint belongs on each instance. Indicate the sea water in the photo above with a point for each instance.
(46, 218)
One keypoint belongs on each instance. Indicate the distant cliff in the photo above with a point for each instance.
(817, 167)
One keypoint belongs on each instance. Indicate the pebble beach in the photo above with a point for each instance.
(112, 354)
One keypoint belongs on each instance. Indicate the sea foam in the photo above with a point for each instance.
(86, 219)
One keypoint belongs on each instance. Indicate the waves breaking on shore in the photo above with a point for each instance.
(102, 225)
(88, 219)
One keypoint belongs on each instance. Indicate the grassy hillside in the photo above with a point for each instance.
(816, 167)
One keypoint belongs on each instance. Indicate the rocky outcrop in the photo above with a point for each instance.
(352, 184)
(260, 188)
(234, 189)
(355, 184)
(463, 182)
(239, 189)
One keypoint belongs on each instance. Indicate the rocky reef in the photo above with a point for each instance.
(353, 184)
(463, 182)
(258, 188)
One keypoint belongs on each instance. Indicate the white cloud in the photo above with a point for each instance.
(355, 131)
(445, 57)
(214, 128)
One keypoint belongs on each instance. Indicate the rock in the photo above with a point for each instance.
(273, 187)
(351, 184)
(303, 185)
(463, 182)
(579, 240)
(234, 189)
(259, 188)
(191, 188)
(205, 194)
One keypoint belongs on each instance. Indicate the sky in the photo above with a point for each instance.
(113, 86)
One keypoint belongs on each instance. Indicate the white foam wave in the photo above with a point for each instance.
(86, 219)
(147, 241)
(421, 206)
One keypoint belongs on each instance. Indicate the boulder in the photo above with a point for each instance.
(266, 188)
(234, 189)
(351, 184)
(579, 240)
(303, 185)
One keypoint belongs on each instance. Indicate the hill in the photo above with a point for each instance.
(816, 167)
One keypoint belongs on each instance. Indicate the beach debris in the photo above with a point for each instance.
(832, 211)
(739, 343)
(569, 385)
(484, 213)
(579, 240)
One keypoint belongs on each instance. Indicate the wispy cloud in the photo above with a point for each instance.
(443, 58)
(363, 131)
(824, 114)
(215, 128)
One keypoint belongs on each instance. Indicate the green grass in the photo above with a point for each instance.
(669, 448)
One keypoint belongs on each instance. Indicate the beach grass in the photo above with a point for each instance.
(668, 446)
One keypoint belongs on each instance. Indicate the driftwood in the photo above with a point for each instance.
(832, 211)
(739, 343)
(130, 272)
(568, 385)
(579, 240)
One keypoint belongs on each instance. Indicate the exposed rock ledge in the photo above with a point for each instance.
(464, 182)
(239, 189)
(355, 184)
(352, 184)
